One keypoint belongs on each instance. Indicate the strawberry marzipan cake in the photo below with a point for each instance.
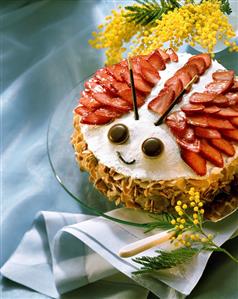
(142, 163)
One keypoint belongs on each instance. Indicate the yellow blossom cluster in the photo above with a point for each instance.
(203, 24)
(190, 217)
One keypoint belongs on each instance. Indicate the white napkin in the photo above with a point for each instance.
(64, 251)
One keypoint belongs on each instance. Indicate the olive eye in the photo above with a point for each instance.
(152, 147)
(118, 134)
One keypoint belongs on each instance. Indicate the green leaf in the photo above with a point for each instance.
(165, 259)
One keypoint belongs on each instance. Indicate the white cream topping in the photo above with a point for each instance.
(169, 165)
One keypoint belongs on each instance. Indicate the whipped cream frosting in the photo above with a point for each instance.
(169, 165)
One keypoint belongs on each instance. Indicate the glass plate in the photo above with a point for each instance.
(62, 158)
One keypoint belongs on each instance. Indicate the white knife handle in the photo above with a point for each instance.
(144, 244)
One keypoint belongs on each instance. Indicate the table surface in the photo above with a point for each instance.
(44, 54)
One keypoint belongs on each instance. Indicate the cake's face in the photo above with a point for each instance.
(175, 169)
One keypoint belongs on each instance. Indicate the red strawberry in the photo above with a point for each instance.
(207, 133)
(165, 56)
(189, 135)
(223, 75)
(184, 76)
(201, 98)
(199, 63)
(221, 100)
(94, 86)
(177, 123)
(175, 84)
(117, 103)
(156, 60)
(219, 87)
(115, 70)
(206, 58)
(234, 121)
(172, 55)
(234, 87)
(211, 154)
(212, 109)
(224, 146)
(93, 119)
(192, 108)
(230, 134)
(81, 110)
(150, 74)
(140, 83)
(108, 112)
(227, 112)
(126, 94)
(200, 121)
(162, 101)
(193, 71)
(232, 98)
(217, 123)
(89, 101)
(191, 146)
(195, 161)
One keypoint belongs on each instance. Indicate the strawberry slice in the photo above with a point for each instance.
(172, 55)
(234, 121)
(109, 112)
(116, 70)
(156, 60)
(207, 133)
(221, 100)
(106, 80)
(189, 135)
(149, 73)
(107, 100)
(219, 87)
(175, 84)
(126, 94)
(227, 112)
(81, 110)
(234, 87)
(192, 70)
(224, 146)
(184, 76)
(199, 63)
(93, 119)
(89, 101)
(191, 146)
(217, 123)
(140, 83)
(161, 103)
(232, 98)
(222, 75)
(94, 86)
(192, 108)
(230, 134)
(211, 154)
(212, 109)
(195, 161)
(201, 98)
(176, 121)
(206, 58)
(165, 56)
(200, 121)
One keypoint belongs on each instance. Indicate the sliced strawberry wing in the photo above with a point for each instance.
(232, 98)
(117, 103)
(149, 73)
(108, 112)
(177, 122)
(217, 123)
(224, 146)
(227, 112)
(82, 110)
(221, 101)
(93, 119)
(219, 87)
(162, 101)
(201, 98)
(195, 161)
(184, 76)
(156, 60)
(89, 101)
(94, 86)
(172, 55)
(211, 154)
(200, 121)
(234, 121)
(199, 63)
(176, 84)
(223, 75)
(192, 70)
(140, 84)
(212, 109)
(189, 135)
(192, 108)
(207, 133)
(206, 58)
(165, 56)
(234, 87)
(126, 94)
(230, 134)
(191, 146)
(116, 70)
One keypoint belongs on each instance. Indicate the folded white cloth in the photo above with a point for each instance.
(62, 252)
